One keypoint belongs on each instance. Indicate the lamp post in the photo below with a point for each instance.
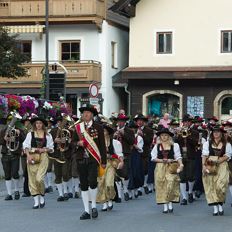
(47, 50)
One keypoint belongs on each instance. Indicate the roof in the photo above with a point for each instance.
(125, 7)
(188, 73)
(118, 81)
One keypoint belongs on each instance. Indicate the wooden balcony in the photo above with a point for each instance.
(31, 11)
(80, 75)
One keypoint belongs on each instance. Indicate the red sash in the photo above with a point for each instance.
(90, 145)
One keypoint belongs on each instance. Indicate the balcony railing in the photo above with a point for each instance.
(34, 10)
(79, 74)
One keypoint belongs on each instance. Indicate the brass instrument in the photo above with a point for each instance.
(12, 141)
(64, 134)
(184, 132)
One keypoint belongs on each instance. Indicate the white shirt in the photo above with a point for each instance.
(140, 144)
(49, 145)
(205, 150)
(117, 148)
(89, 124)
(176, 148)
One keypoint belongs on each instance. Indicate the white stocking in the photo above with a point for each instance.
(85, 199)
(93, 194)
(9, 187)
(16, 184)
(183, 190)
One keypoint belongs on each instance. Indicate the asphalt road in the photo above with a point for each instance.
(141, 214)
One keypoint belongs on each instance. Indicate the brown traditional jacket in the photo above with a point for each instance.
(127, 140)
(96, 131)
(147, 139)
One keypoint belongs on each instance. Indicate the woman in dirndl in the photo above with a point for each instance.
(37, 145)
(136, 173)
(215, 154)
(106, 182)
(168, 160)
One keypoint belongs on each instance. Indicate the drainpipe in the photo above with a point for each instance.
(129, 98)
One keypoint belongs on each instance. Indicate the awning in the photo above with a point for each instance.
(25, 29)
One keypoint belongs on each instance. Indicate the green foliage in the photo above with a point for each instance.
(11, 58)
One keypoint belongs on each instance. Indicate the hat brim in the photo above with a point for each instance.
(218, 129)
(92, 110)
(144, 119)
(33, 120)
(164, 132)
(122, 119)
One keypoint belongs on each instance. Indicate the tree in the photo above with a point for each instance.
(11, 59)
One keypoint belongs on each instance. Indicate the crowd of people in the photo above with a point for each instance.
(106, 160)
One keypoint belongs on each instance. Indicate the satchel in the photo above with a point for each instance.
(36, 158)
(212, 165)
(172, 167)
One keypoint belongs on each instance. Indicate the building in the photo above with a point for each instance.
(85, 38)
(180, 58)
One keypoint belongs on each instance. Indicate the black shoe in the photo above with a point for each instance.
(215, 214)
(46, 190)
(126, 196)
(136, 195)
(60, 198)
(221, 213)
(190, 198)
(119, 200)
(42, 205)
(104, 210)
(146, 190)
(50, 189)
(66, 197)
(150, 191)
(85, 216)
(198, 194)
(8, 198)
(17, 195)
(130, 198)
(94, 213)
(77, 195)
(170, 210)
(70, 195)
(26, 195)
(184, 202)
(110, 207)
(35, 207)
(140, 193)
(165, 211)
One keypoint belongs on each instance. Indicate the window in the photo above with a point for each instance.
(227, 106)
(24, 47)
(70, 50)
(164, 42)
(226, 41)
(114, 54)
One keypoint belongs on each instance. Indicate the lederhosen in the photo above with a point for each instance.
(87, 167)
(216, 185)
(167, 185)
